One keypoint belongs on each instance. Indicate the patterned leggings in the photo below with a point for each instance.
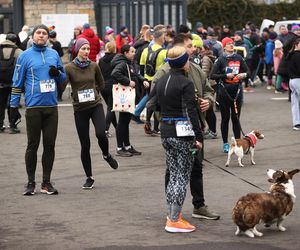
(179, 162)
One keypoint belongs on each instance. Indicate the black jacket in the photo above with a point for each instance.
(176, 97)
(106, 68)
(120, 71)
(294, 64)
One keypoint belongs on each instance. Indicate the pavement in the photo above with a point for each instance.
(126, 209)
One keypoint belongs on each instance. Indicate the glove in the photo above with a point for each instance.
(53, 71)
(14, 115)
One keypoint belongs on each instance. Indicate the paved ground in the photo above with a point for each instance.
(126, 209)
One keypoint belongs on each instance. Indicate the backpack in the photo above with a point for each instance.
(7, 66)
(151, 61)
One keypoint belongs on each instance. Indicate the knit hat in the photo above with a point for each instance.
(109, 30)
(52, 33)
(197, 41)
(123, 28)
(199, 25)
(295, 27)
(179, 61)
(86, 26)
(273, 35)
(207, 44)
(79, 43)
(40, 26)
(278, 44)
(239, 33)
(226, 40)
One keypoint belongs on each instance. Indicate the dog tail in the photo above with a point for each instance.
(233, 141)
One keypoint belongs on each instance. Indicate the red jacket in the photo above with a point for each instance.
(120, 41)
(93, 39)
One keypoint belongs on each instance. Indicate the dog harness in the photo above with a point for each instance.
(252, 138)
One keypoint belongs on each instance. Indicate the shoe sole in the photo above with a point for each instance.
(49, 193)
(205, 217)
(88, 187)
(178, 230)
(29, 193)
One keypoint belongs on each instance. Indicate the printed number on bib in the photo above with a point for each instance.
(86, 95)
(47, 86)
(184, 128)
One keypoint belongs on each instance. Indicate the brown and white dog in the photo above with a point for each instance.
(242, 146)
(271, 207)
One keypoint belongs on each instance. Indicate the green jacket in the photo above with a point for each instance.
(197, 76)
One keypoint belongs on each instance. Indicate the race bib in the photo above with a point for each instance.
(86, 95)
(47, 85)
(233, 67)
(184, 128)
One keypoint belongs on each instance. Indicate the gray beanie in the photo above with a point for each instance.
(40, 26)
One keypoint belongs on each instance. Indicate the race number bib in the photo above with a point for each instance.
(47, 85)
(184, 128)
(86, 95)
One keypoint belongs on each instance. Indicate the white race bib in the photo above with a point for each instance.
(86, 95)
(184, 128)
(47, 85)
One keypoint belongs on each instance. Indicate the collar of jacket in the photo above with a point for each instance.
(39, 48)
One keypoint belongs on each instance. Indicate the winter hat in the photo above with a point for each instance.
(273, 35)
(79, 43)
(207, 44)
(197, 41)
(109, 30)
(52, 33)
(199, 25)
(12, 37)
(295, 27)
(178, 61)
(86, 26)
(226, 40)
(239, 33)
(278, 44)
(40, 26)
(123, 28)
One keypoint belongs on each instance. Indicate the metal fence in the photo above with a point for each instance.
(133, 14)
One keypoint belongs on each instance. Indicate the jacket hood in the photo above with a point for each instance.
(88, 33)
(108, 57)
(119, 58)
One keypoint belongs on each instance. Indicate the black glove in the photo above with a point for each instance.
(14, 116)
(53, 71)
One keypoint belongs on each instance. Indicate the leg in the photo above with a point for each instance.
(252, 155)
(249, 233)
(230, 152)
(235, 118)
(122, 129)
(240, 154)
(49, 128)
(257, 233)
(4, 94)
(238, 231)
(295, 99)
(225, 116)
(279, 225)
(34, 128)
(82, 122)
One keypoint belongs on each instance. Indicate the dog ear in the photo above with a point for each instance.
(291, 173)
(271, 180)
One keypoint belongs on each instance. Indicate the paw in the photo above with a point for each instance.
(241, 165)
(249, 233)
(253, 163)
(281, 228)
(259, 234)
(226, 165)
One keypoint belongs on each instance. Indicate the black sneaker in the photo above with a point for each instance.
(111, 161)
(47, 188)
(2, 128)
(30, 189)
(137, 119)
(123, 153)
(133, 151)
(14, 131)
(89, 183)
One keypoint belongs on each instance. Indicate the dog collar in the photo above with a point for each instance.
(253, 139)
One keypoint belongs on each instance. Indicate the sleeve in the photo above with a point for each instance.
(118, 43)
(119, 75)
(18, 82)
(206, 65)
(144, 57)
(158, 75)
(190, 102)
(244, 67)
(62, 76)
(99, 78)
(216, 72)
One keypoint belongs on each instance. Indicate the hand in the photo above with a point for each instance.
(132, 84)
(241, 76)
(146, 84)
(53, 71)
(14, 115)
(198, 145)
(230, 75)
(203, 104)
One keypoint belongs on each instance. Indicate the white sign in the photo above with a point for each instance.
(64, 25)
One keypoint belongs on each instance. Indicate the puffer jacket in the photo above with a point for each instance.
(32, 69)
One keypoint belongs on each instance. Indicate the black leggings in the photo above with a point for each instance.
(122, 129)
(227, 111)
(82, 122)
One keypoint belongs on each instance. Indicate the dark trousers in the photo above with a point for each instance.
(4, 96)
(196, 180)
(227, 111)
(122, 130)
(40, 120)
(110, 116)
(82, 122)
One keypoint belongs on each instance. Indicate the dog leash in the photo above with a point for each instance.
(227, 171)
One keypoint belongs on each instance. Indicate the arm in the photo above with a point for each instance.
(120, 75)
(216, 72)
(100, 84)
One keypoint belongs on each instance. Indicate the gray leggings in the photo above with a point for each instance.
(179, 162)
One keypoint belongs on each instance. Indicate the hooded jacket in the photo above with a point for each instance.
(106, 68)
(93, 39)
(32, 73)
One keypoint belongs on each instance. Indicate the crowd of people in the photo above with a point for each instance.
(182, 78)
